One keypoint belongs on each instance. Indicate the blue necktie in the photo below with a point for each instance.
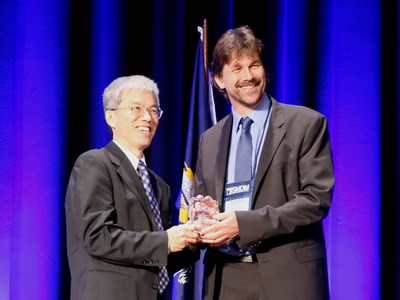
(242, 173)
(145, 178)
(244, 152)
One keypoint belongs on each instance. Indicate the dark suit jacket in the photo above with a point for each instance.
(292, 194)
(114, 246)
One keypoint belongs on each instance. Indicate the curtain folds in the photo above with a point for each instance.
(339, 57)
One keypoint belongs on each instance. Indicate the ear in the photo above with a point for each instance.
(110, 118)
(219, 82)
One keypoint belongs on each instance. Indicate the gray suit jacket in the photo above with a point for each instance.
(114, 246)
(292, 194)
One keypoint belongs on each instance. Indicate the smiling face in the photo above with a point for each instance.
(133, 133)
(244, 80)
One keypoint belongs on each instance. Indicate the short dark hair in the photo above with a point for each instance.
(231, 45)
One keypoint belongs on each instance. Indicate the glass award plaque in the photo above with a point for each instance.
(202, 210)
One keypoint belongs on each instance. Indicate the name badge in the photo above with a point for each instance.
(237, 196)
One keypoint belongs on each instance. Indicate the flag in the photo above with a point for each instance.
(188, 282)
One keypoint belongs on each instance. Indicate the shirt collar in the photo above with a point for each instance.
(258, 115)
(132, 158)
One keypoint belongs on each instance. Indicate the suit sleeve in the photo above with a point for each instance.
(90, 206)
(304, 186)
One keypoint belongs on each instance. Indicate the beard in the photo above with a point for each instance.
(250, 99)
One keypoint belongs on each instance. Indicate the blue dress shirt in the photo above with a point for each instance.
(260, 117)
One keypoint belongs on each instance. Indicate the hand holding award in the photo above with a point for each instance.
(201, 211)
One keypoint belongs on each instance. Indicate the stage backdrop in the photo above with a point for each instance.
(339, 57)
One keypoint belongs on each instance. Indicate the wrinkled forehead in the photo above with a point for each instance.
(138, 96)
(238, 55)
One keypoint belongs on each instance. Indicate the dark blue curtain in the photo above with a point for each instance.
(340, 57)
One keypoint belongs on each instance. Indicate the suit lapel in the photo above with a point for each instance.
(222, 159)
(274, 137)
(130, 177)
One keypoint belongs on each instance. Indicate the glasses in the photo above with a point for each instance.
(138, 110)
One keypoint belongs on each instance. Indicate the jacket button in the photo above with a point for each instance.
(150, 262)
(156, 262)
(154, 287)
(144, 262)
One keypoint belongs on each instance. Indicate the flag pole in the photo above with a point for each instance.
(205, 47)
(208, 86)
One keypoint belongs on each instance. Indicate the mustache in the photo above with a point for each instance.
(253, 81)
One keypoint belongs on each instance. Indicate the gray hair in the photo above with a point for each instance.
(111, 95)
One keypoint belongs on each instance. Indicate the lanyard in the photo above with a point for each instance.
(260, 142)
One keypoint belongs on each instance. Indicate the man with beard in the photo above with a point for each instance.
(269, 165)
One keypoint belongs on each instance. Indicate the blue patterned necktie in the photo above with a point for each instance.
(244, 152)
(242, 173)
(145, 178)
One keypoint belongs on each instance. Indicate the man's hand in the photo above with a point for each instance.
(182, 236)
(224, 230)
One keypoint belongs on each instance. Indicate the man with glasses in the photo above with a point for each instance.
(118, 210)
